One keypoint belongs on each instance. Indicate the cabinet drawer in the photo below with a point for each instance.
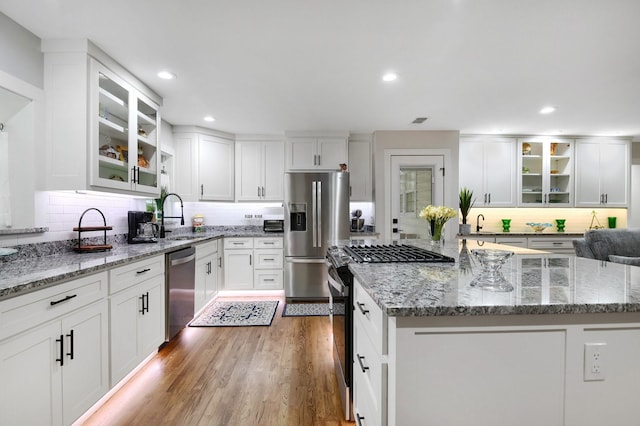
(511, 241)
(268, 243)
(238, 243)
(268, 279)
(134, 273)
(370, 319)
(365, 409)
(268, 259)
(550, 243)
(24, 312)
(206, 249)
(367, 361)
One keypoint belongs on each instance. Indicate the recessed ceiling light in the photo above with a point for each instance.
(390, 76)
(547, 110)
(209, 119)
(166, 75)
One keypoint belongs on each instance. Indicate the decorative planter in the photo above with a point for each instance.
(464, 229)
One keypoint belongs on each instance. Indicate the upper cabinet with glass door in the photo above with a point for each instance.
(126, 145)
(102, 123)
(545, 172)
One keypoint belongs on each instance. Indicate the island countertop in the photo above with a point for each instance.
(544, 283)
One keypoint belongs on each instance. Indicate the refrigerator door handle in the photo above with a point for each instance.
(314, 211)
(319, 213)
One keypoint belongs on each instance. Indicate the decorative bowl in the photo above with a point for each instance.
(538, 227)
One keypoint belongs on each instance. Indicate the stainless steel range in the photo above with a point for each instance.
(340, 282)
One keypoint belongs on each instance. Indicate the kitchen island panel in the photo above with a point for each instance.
(477, 376)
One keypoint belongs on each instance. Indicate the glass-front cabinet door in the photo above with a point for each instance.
(124, 124)
(545, 172)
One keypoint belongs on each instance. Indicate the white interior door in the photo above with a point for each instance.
(416, 182)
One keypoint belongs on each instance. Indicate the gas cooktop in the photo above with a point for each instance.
(394, 253)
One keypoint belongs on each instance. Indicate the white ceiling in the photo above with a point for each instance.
(266, 66)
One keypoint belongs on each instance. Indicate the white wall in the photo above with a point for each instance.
(383, 140)
(21, 55)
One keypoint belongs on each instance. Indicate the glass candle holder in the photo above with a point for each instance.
(506, 225)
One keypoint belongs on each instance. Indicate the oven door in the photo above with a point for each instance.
(340, 310)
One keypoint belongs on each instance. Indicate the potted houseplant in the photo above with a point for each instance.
(465, 203)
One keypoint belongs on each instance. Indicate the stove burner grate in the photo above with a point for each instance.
(394, 253)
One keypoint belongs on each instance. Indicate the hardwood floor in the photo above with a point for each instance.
(277, 375)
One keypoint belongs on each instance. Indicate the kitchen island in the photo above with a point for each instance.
(561, 348)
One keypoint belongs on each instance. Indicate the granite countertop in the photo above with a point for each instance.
(31, 273)
(544, 283)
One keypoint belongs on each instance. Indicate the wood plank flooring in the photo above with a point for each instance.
(277, 375)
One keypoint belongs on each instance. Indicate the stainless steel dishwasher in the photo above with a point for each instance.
(180, 276)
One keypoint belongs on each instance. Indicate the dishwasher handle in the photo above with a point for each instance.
(182, 260)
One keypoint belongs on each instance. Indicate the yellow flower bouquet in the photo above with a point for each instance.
(437, 216)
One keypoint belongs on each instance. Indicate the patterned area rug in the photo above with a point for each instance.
(306, 310)
(236, 314)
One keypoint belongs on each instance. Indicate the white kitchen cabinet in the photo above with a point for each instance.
(370, 366)
(253, 263)
(238, 263)
(137, 313)
(204, 164)
(545, 172)
(359, 166)
(208, 272)
(259, 170)
(102, 124)
(316, 152)
(488, 168)
(268, 263)
(602, 172)
(54, 368)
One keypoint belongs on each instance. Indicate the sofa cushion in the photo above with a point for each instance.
(627, 260)
(622, 242)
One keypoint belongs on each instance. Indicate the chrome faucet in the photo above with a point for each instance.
(478, 227)
(181, 217)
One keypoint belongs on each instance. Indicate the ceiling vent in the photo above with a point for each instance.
(419, 120)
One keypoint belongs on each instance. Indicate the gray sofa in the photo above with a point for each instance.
(618, 245)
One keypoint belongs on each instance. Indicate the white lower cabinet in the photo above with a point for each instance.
(208, 272)
(253, 263)
(54, 371)
(369, 364)
(137, 316)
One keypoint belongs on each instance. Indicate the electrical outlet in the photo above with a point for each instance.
(594, 361)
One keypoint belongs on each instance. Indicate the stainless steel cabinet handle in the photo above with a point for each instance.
(258, 191)
(250, 259)
(606, 198)
(363, 367)
(201, 190)
(485, 198)
(263, 191)
(319, 160)
(489, 198)
(362, 309)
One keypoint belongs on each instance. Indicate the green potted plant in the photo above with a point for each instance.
(465, 203)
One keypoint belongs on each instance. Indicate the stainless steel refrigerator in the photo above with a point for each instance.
(316, 212)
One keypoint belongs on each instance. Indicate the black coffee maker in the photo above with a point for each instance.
(141, 229)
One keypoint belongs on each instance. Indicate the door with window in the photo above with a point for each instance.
(416, 182)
